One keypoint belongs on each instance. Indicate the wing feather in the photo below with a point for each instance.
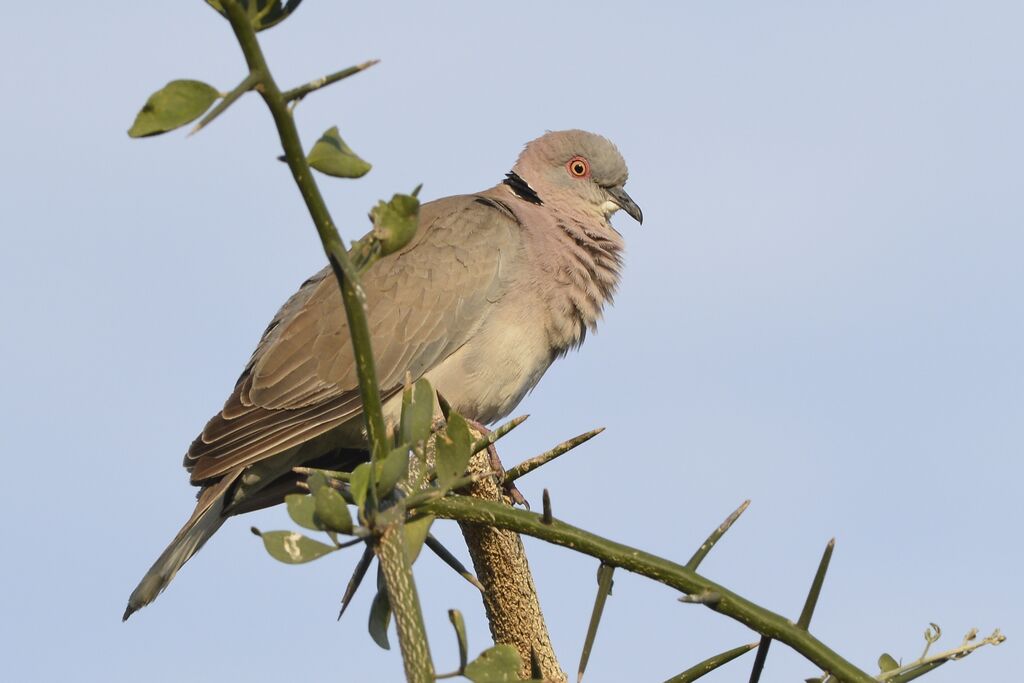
(423, 303)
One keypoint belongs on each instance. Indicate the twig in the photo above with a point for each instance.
(465, 509)
(908, 672)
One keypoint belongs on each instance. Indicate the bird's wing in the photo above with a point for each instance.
(423, 302)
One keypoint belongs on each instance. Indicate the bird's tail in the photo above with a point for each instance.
(205, 520)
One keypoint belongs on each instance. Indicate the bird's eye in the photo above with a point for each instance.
(578, 167)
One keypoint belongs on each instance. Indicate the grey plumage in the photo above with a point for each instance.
(491, 290)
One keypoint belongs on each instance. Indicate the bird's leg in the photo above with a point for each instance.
(509, 487)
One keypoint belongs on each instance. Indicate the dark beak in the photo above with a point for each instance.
(626, 203)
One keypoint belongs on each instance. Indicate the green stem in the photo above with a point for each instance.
(465, 509)
(390, 548)
(352, 294)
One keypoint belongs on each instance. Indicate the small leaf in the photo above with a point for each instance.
(453, 450)
(459, 624)
(380, 617)
(359, 484)
(174, 105)
(391, 469)
(418, 414)
(301, 508)
(292, 547)
(315, 481)
(332, 156)
(395, 222)
(331, 510)
(415, 534)
(498, 664)
(887, 663)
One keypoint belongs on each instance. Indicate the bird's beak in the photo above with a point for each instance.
(626, 203)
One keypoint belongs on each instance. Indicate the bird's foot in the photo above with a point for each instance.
(508, 487)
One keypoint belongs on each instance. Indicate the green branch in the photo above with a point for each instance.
(390, 547)
(464, 509)
(352, 294)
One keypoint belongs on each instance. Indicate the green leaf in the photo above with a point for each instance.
(395, 222)
(887, 663)
(359, 484)
(292, 547)
(331, 510)
(459, 624)
(300, 509)
(316, 481)
(174, 105)
(262, 13)
(453, 450)
(417, 413)
(498, 664)
(380, 617)
(415, 535)
(391, 469)
(332, 156)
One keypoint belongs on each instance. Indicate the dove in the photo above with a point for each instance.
(491, 290)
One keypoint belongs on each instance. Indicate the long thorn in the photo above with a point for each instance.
(819, 578)
(357, 578)
(303, 90)
(711, 540)
(604, 589)
(711, 663)
(247, 84)
(527, 466)
(495, 434)
(762, 654)
(452, 561)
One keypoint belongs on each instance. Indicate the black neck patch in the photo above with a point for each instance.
(521, 188)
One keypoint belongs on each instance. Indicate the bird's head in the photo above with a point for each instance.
(574, 169)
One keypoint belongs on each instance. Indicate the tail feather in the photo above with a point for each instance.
(205, 520)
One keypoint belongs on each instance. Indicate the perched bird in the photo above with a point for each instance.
(491, 290)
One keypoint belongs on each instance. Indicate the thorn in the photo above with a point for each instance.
(527, 466)
(762, 654)
(446, 407)
(715, 536)
(546, 518)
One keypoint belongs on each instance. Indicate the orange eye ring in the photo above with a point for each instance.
(578, 167)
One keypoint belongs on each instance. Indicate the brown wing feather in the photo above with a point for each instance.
(423, 303)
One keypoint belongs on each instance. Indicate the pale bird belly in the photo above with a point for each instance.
(487, 377)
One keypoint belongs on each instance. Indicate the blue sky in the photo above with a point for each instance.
(822, 313)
